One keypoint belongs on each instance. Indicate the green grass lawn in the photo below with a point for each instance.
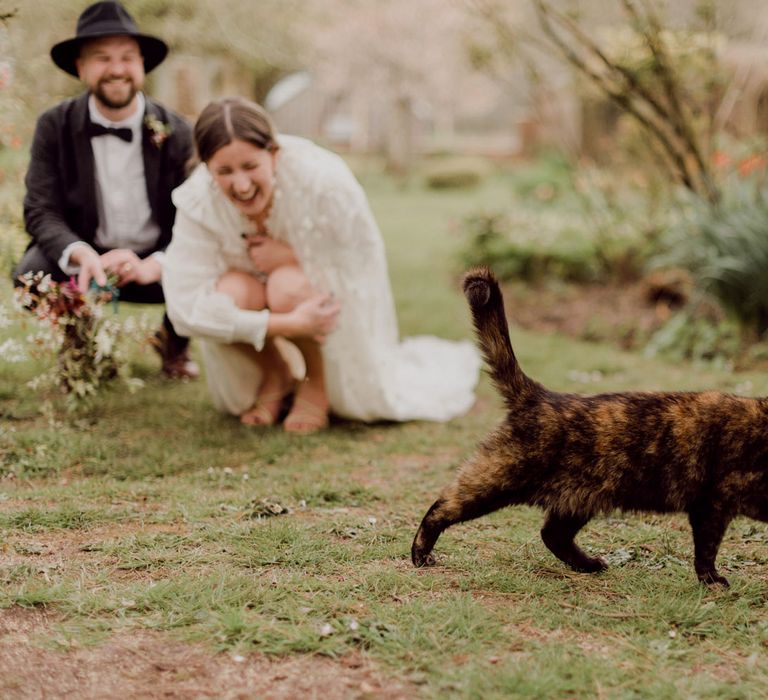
(147, 514)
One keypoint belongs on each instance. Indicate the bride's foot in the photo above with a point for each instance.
(270, 404)
(309, 412)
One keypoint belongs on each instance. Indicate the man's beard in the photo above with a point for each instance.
(107, 101)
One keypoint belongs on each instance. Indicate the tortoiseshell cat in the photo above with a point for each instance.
(704, 454)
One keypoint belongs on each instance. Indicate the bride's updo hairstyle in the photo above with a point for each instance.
(233, 119)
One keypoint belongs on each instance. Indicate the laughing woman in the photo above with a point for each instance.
(274, 239)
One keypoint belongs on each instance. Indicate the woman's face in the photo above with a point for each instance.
(246, 175)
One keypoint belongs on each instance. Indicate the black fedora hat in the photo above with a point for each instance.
(107, 19)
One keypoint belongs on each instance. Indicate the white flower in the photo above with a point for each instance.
(22, 298)
(44, 284)
(5, 318)
(105, 343)
(133, 384)
(583, 377)
(12, 351)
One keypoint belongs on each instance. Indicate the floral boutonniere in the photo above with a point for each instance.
(158, 130)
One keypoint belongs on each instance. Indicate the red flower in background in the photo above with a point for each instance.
(754, 162)
(720, 159)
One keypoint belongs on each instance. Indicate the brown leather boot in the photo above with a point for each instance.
(177, 363)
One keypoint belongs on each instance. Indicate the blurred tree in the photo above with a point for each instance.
(401, 58)
(668, 82)
(260, 37)
(6, 13)
(37, 83)
(257, 37)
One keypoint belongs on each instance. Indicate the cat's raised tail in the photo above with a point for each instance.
(487, 304)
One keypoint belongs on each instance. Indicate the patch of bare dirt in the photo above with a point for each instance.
(144, 664)
(625, 314)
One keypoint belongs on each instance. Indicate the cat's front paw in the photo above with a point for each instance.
(712, 578)
(420, 559)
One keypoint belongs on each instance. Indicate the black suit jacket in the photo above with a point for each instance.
(60, 203)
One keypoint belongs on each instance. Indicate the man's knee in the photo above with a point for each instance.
(286, 288)
(244, 289)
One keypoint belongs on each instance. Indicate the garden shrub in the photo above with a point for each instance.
(570, 225)
(725, 247)
(548, 176)
(456, 173)
(490, 243)
(688, 336)
(13, 238)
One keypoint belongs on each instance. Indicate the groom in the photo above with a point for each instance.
(102, 169)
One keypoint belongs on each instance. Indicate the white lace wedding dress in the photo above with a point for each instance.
(321, 210)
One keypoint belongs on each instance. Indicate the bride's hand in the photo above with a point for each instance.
(267, 254)
(317, 316)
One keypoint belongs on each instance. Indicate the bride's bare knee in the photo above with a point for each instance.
(286, 288)
(244, 289)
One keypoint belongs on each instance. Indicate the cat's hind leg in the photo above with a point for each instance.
(708, 524)
(558, 534)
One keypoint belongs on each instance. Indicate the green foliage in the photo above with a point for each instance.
(489, 243)
(13, 238)
(456, 173)
(548, 176)
(688, 337)
(725, 246)
(577, 226)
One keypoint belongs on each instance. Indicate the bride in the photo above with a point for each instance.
(274, 239)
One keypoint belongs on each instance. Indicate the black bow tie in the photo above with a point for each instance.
(122, 133)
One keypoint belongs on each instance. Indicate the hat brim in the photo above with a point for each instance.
(65, 53)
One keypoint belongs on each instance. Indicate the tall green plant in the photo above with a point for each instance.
(725, 246)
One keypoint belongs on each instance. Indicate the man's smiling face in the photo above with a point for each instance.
(113, 69)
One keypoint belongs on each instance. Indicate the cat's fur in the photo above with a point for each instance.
(704, 454)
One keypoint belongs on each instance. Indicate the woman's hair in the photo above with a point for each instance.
(233, 119)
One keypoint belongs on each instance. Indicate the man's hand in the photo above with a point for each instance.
(90, 267)
(129, 267)
(267, 254)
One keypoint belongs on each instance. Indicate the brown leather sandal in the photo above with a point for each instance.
(269, 408)
(305, 417)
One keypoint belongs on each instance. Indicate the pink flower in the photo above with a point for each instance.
(158, 131)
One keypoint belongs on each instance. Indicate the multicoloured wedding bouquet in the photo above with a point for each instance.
(86, 341)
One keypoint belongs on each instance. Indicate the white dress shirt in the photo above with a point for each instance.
(125, 217)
